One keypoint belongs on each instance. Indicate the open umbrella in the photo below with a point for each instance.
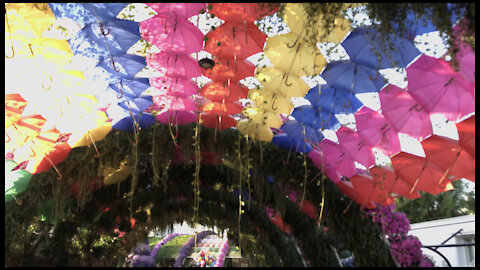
(352, 77)
(222, 91)
(371, 189)
(86, 13)
(329, 157)
(174, 65)
(404, 113)
(271, 101)
(450, 157)
(436, 86)
(168, 102)
(16, 181)
(242, 12)
(86, 130)
(335, 101)
(318, 118)
(420, 173)
(177, 117)
(465, 56)
(171, 34)
(392, 182)
(27, 21)
(466, 135)
(124, 66)
(263, 117)
(276, 80)
(229, 69)
(348, 189)
(355, 146)
(235, 41)
(122, 120)
(14, 106)
(255, 131)
(182, 10)
(27, 127)
(377, 131)
(363, 44)
(130, 88)
(219, 108)
(220, 122)
(298, 131)
(282, 140)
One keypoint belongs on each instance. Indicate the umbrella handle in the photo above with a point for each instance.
(113, 65)
(274, 103)
(13, 53)
(295, 43)
(376, 76)
(50, 84)
(103, 31)
(9, 139)
(347, 105)
(323, 122)
(286, 79)
(120, 87)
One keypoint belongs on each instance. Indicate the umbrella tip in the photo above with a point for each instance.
(206, 63)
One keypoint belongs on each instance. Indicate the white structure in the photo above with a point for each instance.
(435, 232)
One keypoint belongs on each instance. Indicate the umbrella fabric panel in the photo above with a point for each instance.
(174, 86)
(316, 117)
(86, 13)
(177, 117)
(125, 66)
(392, 182)
(222, 91)
(355, 146)
(180, 10)
(220, 122)
(275, 80)
(130, 88)
(466, 135)
(282, 140)
(334, 100)
(174, 65)
(298, 131)
(229, 69)
(241, 12)
(255, 131)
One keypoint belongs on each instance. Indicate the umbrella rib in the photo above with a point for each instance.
(449, 168)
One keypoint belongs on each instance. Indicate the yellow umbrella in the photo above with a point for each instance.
(275, 80)
(298, 59)
(27, 20)
(255, 131)
(263, 117)
(296, 19)
(52, 50)
(269, 101)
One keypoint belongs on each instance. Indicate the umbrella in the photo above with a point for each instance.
(331, 159)
(92, 40)
(230, 69)
(465, 56)
(182, 10)
(14, 106)
(87, 130)
(130, 88)
(354, 78)
(365, 47)
(218, 121)
(436, 86)
(282, 140)
(222, 91)
(298, 131)
(392, 182)
(125, 66)
(466, 135)
(295, 17)
(404, 113)
(263, 117)
(420, 173)
(241, 12)
(271, 101)
(35, 147)
(174, 65)
(174, 86)
(377, 131)
(167, 102)
(255, 131)
(450, 157)
(235, 41)
(49, 159)
(355, 146)
(336, 101)
(275, 80)
(16, 181)
(318, 118)
(86, 13)
(348, 189)
(373, 190)
(221, 108)
(177, 117)
(27, 21)
(19, 132)
(125, 123)
(297, 58)
(173, 35)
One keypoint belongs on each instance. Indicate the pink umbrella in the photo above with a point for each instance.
(173, 103)
(355, 146)
(170, 34)
(331, 159)
(182, 10)
(392, 182)
(404, 113)
(377, 131)
(174, 65)
(177, 117)
(439, 89)
(175, 86)
(465, 56)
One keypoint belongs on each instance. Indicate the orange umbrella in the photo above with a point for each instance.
(19, 132)
(218, 121)
(466, 135)
(229, 69)
(222, 91)
(240, 12)
(392, 182)
(14, 105)
(222, 108)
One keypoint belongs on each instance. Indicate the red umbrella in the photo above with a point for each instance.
(377, 131)
(355, 146)
(404, 113)
(371, 189)
(348, 189)
(466, 135)
(174, 86)
(222, 91)
(174, 65)
(14, 105)
(222, 108)
(177, 117)
(329, 156)
(235, 41)
(240, 12)
(18, 133)
(436, 86)
(218, 121)
(392, 182)
(230, 69)
(182, 10)
(420, 173)
(449, 156)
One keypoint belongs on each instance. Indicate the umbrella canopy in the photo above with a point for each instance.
(86, 13)
(318, 118)
(436, 86)
(420, 173)
(181, 10)
(348, 189)
(222, 91)
(330, 157)
(404, 113)
(276, 80)
(230, 69)
(235, 41)
(174, 86)
(137, 105)
(173, 35)
(167, 102)
(263, 117)
(35, 148)
(49, 159)
(377, 131)
(130, 88)
(450, 157)
(16, 181)
(120, 35)
(174, 65)
(220, 122)
(27, 21)
(122, 120)
(177, 117)
(125, 66)
(371, 189)
(271, 101)
(27, 127)
(298, 131)
(241, 12)
(355, 146)
(255, 131)
(219, 108)
(466, 135)
(335, 101)
(354, 78)
(365, 47)
(392, 183)
(282, 140)
(14, 106)
(296, 17)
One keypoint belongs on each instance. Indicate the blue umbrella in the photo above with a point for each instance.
(282, 140)
(337, 101)
(122, 120)
(363, 44)
(120, 35)
(126, 65)
(318, 118)
(130, 88)
(137, 105)
(351, 77)
(84, 13)
(299, 131)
